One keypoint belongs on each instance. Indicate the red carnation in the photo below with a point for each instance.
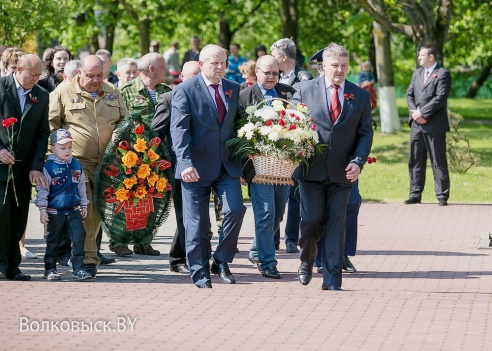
(282, 113)
(268, 123)
(7, 123)
(101, 93)
(281, 122)
(313, 126)
(129, 171)
(292, 127)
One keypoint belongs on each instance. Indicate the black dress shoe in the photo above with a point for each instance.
(180, 268)
(207, 285)
(443, 203)
(271, 272)
(91, 269)
(331, 287)
(19, 276)
(222, 270)
(320, 269)
(411, 201)
(277, 247)
(104, 259)
(305, 273)
(347, 265)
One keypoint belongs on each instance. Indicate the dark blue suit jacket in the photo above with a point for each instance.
(197, 135)
(349, 140)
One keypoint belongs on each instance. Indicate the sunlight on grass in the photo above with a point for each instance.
(469, 108)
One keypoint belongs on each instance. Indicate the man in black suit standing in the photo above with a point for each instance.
(342, 114)
(427, 98)
(162, 123)
(22, 99)
(268, 200)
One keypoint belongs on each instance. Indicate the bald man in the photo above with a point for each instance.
(90, 109)
(22, 99)
(161, 123)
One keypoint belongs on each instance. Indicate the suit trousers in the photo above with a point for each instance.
(177, 254)
(13, 224)
(91, 222)
(196, 217)
(323, 213)
(433, 144)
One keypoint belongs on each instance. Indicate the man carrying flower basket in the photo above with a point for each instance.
(268, 200)
(342, 113)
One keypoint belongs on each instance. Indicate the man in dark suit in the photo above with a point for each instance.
(161, 123)
(427, 98)
(342, 114)
(22, 99)
(203, 117)
(268, 200)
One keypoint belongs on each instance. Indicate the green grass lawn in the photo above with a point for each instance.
(388, 180)
(468, 108)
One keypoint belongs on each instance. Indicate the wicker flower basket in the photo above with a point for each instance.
(138, 215)
(270, 170)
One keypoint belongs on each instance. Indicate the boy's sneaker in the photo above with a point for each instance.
(52, 275)
(82, 275)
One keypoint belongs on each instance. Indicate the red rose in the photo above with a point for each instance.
(168, 186)
(151, 190)
(268, 123)
(313, 126)
(139, 129)
(141, 181)
(282, 113)
(123, 145)
(7, 123)
(139, 161)
(129, 171)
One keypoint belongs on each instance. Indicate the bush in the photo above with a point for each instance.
(460, 156)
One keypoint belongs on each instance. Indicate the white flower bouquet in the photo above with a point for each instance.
(276, 135)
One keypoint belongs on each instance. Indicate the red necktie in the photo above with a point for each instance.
(335, 106)
(220, 104)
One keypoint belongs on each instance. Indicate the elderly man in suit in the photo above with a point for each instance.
(268, 200)
(22, 99)
(202, 119)
(342, 114)
(427, 98)
(161, 122)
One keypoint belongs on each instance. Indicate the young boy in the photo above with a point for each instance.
(63, 205)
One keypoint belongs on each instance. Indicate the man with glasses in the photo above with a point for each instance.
(268, 200)
(284, 51)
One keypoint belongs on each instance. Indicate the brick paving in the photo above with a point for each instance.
(422, 284)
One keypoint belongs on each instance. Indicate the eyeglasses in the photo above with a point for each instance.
(273, 74)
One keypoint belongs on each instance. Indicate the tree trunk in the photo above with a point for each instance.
(390, 120)
(225, 35)
(144, 29)
(472, 92)
(289, 15)
(110, 28)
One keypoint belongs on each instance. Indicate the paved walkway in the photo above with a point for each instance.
(422, 285)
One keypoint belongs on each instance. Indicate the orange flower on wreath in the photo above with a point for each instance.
(152, 155)
(143, 171)
(140, 192)
(161, 184)
(129, 182)
(122, 194)
(140, 145)
(129, 159)
(152, 179)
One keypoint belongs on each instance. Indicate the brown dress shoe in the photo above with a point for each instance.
(121, 251)
(148, 251)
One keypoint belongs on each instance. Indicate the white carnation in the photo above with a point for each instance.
(266, 113)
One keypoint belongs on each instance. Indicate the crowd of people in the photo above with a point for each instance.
(78, 105)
